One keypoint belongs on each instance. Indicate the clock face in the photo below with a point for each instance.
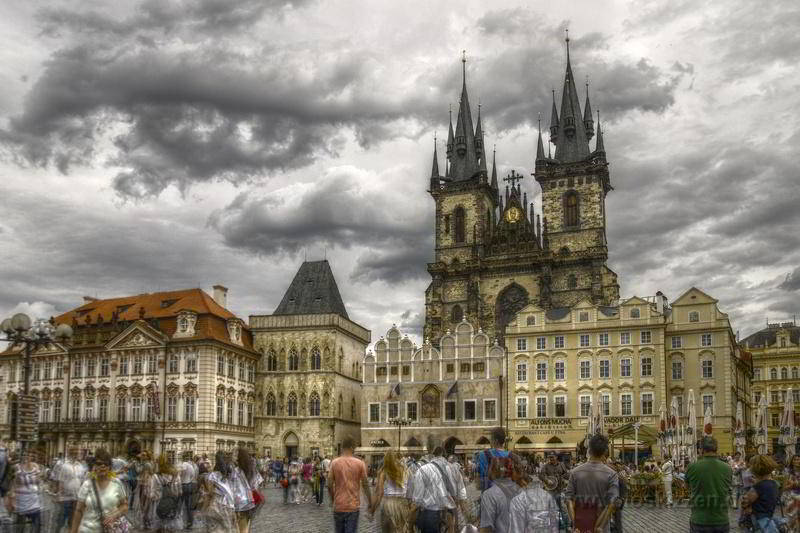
(513, 215)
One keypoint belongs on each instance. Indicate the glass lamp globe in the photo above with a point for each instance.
(6, 326)
(21, 322)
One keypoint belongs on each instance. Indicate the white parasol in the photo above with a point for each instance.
(761, 425)
(589, 426)
(708, 422)
(788, 436)
(600, 416)
(739, 437)
(691, 427)
(673, 427)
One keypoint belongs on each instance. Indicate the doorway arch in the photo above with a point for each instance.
(291, 444)
(509, 302)
(450, 446)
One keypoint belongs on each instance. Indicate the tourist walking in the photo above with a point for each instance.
(188, 472)
(593, 490)
(24, 499)
(533, 510)
(484, 458)
(508, 476)
(102, 500)
(709, 480)
(390, 496)
(667, 469)
(148, 491)
(245, 483)
(217, 505)
(308, 473)
(168, 510)
(763, 497)
(554, 476)
(319, 480)
(68, 476)
(737, 466)
(435, 491)
(347, 477)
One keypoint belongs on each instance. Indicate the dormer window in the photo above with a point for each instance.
(783, 342)
(235, 330)
(635, 312)
(186, 323)
(531, 321)
(583, 316)
(694, 316)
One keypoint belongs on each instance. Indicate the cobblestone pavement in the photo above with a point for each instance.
(276, 517)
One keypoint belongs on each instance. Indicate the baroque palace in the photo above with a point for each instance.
(174, 370)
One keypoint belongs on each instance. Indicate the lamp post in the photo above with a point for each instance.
(636, 427)
(399, 422)
(19, 329)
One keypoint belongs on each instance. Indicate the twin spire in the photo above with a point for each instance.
(571, 129)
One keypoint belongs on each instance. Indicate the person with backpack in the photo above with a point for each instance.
(169, 514)
(507, 476)
(763, 497)
(188, 472)
(484, 458)
(24, 500)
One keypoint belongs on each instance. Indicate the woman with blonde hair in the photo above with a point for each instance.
(764, 496)
(145, 496)
(391, 491)
(168, 508)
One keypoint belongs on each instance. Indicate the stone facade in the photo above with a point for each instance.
(493, 253)
(776, 371)
(109, 385)
(634, 358)
(309, 396)
(452, 393)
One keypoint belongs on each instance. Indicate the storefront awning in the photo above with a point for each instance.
(463, 448)
(384, 449)
(546, 446)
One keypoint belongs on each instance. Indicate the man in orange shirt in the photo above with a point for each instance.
(347, 474)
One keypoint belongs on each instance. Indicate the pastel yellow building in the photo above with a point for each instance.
(631, 358)
(776, 369)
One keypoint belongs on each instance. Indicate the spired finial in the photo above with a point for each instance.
(566, 30)
(540, 122)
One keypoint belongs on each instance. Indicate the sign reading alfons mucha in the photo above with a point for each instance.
(560, 426)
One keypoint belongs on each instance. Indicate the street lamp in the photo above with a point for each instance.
(399, 422)
(19, 329)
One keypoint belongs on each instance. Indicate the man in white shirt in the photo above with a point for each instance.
(435, 491)
(188, 473)
(667, 468)
(69, 474)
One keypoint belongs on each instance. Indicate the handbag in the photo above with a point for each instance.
(258, 499)
(284, 483)
(120, 525)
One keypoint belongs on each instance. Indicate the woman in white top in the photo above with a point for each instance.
(24, 499)
(391, 491)
(90, 514)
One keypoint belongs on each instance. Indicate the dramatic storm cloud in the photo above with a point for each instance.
(163, 144)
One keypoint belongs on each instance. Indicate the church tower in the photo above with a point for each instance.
(493, 253)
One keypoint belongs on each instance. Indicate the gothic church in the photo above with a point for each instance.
(493, 253)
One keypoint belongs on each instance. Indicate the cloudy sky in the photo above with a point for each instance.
(165, 144)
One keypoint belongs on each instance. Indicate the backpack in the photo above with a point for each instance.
(167, 508)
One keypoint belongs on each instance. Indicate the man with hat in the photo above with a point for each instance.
(554, 476)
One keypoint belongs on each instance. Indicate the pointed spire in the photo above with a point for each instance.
(572, 144)
(539, 144)
(588, 123)
(450, 134)
(554, 120)
(599, 147)
(479, 143)
(494, 168)
(435, 168)
(464, 163)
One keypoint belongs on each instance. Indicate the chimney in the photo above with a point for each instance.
(87, 299)
(221, 295)
(661, 302)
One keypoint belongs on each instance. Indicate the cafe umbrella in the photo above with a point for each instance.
(739, 439)
(691, 427)
(788, 436)
(761, 425)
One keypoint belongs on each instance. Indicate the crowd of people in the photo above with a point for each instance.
(99, 493)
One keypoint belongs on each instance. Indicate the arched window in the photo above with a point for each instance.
(353, 409)
(784, 373)
(794, 372)
(294, 360)
(571, 209)
(694, 316)
(270, 404)
(773, 373)
(272, 361)
(457, 314)
(572, 281)
(291, 405)
(460, 224)
(531, 320)
(340, 406)
(313, 405)
(316, 359)
(635, 312)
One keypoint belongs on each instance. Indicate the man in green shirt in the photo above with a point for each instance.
(709, 480)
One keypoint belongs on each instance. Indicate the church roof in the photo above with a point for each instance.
(313, 291)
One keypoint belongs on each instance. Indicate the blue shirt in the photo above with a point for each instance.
(483, 465)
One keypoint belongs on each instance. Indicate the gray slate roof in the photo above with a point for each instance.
(557, 313)
(313, 291)
(768, 337)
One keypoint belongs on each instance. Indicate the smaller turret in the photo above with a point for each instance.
(554, 125)
(588, 123)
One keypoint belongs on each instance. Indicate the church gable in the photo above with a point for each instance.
(693, 296)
